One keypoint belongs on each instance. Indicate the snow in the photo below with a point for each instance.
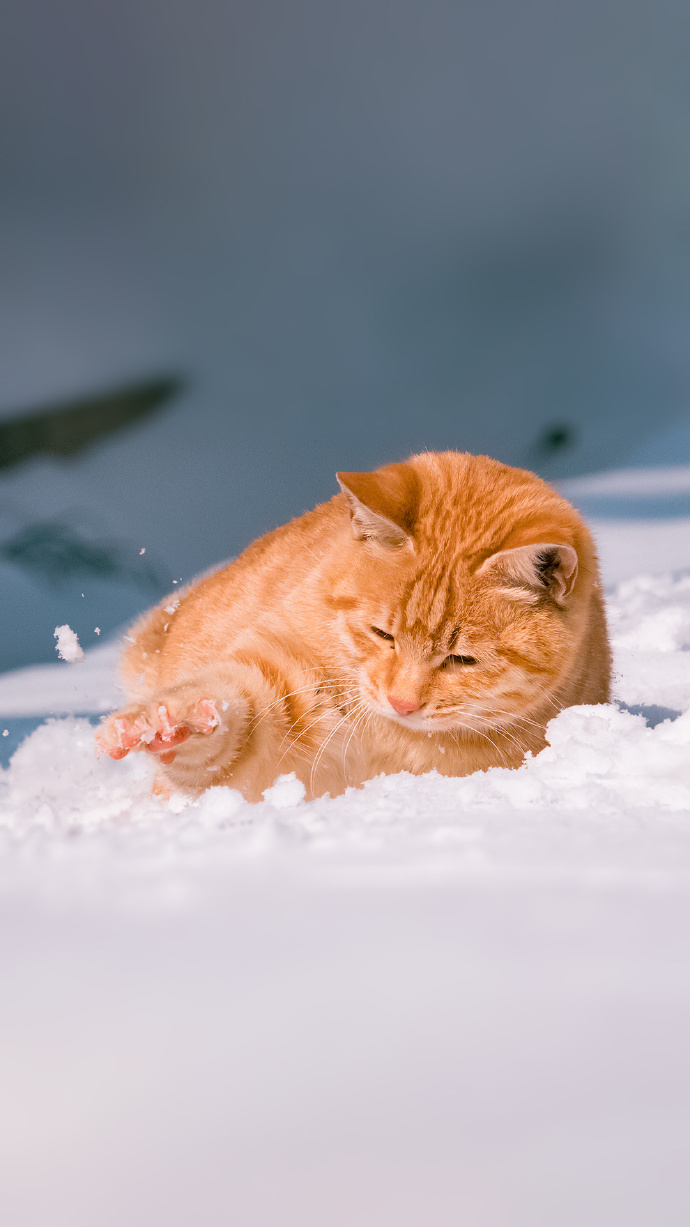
(429, 1000)
(67, 646)
(44, 689)
(651, 480)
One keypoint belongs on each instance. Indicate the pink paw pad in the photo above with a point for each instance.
(166, 734)
(207, 716)
(156, 733)
(117, 738)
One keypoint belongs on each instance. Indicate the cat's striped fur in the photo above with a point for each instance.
(435, 614)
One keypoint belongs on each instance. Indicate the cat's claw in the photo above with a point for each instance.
(154, 728)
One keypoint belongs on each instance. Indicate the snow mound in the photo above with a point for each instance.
(606, 764)
(599, 759)
(652, 614)
(649, 622)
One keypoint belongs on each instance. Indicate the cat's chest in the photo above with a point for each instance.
(381, 747)
(385, 749)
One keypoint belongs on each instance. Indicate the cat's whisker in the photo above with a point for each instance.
(328, 684)
(498, 727)
(323, 748)
(362, 714)
(334, 686)
(361, 726)
(514, 717)
(486, 738)
(325, 713)
(503, 731)
(550, 700)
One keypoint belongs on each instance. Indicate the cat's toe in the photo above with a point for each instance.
(116, 737)
(169, 734)
(207, 718)
(159, 731)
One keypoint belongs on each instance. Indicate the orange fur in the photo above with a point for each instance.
(435, 614)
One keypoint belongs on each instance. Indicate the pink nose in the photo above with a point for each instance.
(404, 707)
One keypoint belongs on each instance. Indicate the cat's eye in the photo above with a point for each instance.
(383, 634)
(458, 660)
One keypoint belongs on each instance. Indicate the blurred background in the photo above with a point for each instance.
(244, 244)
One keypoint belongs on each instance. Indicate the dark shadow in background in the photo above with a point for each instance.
(65, 429)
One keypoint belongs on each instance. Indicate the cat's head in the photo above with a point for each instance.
(461, 592)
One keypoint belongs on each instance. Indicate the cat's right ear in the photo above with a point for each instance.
(538, 569)
(371, 513)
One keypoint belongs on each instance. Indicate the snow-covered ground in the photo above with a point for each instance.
(430, 1001)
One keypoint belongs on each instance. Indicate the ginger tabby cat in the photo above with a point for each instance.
(436, 614)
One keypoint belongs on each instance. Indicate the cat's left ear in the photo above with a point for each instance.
(381, 504)
(540, 568)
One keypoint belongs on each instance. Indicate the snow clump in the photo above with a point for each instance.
(67, 646)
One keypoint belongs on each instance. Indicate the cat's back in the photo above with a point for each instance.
(274, 567)
(231, 607)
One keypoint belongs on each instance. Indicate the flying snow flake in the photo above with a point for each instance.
(143, 551)
(67, 646)
(96, 630)
(5, 732)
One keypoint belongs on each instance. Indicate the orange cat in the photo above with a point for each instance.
(435, 614)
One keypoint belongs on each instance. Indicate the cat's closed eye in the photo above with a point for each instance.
(383, 634)
(450, 661)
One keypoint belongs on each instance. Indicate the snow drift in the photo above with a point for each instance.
(428, 1000)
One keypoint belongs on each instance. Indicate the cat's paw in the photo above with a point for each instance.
(158, 727)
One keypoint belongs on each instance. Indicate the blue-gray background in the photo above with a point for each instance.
(356, 229)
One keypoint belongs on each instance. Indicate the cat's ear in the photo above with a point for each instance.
(382, 504)
(539, 568)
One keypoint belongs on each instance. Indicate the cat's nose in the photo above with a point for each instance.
(404, 707)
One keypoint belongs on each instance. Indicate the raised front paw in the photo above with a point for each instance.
(158, 727)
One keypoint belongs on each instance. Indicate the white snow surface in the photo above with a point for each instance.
(429, 1001)
(653, 480)
(46, 689)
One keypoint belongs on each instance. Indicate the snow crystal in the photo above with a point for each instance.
(67, 646)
